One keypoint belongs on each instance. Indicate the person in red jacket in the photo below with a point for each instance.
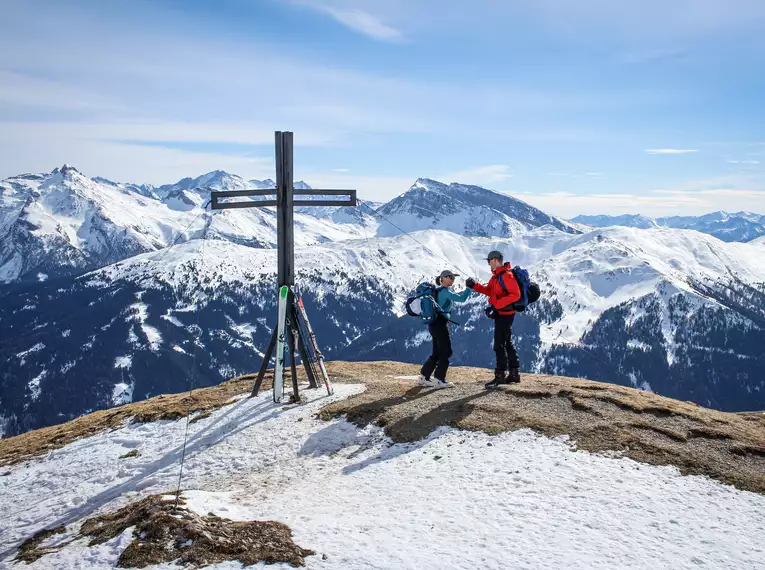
(502, 291)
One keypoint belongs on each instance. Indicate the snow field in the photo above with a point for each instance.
(454, 500)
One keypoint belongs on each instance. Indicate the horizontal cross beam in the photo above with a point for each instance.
(216, 202)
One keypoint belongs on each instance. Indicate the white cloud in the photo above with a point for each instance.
(122, 162)
(340, 170)
(745, 162)
(361, 21)
(376, 188)
(695, 197)
(670, 150)
(594, 174)
(245, 133)
(491, 174)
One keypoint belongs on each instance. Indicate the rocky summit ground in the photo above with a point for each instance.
(599, 417)
(386, 474)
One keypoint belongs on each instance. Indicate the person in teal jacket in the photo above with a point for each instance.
(433, 372)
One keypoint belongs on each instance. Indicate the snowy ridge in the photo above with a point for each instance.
(607, 267)
(63, 222)
(590, 273)
(628, 220)
(740, 226)
(145, 308)
(463, 209)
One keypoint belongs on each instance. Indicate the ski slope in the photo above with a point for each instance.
(454, 500)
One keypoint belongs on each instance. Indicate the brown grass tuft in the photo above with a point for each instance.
(163, 534)
(30, 550)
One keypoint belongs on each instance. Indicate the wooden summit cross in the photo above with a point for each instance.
(292, 322)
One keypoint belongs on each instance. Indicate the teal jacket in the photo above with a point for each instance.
(446, 299)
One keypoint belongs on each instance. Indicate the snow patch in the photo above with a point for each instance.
(122, 393)
(421, 337)
(172, 319)
(153, 336)
(34, 385)
(634, 344)
(23, 354)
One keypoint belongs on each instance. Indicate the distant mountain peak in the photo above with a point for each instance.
(464, 208)
(66, 169)
(262, 184)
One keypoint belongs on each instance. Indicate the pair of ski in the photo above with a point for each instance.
(282, 343)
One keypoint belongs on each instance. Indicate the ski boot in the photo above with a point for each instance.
(499, 379)
(514, 376)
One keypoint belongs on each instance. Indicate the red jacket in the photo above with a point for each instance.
(497, 296)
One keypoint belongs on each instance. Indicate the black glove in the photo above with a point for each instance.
(470, 283)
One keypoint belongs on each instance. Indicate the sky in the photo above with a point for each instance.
(575, 106)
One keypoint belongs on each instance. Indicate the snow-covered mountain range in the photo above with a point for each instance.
(97, 310)
(739, 226)
(463, 209)
(64, 223)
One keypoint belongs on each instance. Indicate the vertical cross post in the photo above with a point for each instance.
(285, 241)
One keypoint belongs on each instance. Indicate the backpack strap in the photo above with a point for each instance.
(436, 304)
(502, 283)
(408, 307)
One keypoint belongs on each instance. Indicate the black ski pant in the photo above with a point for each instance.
(438, 363)
(507, 357)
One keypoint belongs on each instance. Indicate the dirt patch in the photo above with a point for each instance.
(31, 549)
(134, 453)
(597, 416)
(164, 533)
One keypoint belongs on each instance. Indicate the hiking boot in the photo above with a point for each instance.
(443, 384)
(514, 376)
(425, 382)
(499, 379)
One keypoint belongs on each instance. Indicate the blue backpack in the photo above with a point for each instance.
(530, 291)
(429, 308)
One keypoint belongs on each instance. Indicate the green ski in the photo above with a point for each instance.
(281, 344)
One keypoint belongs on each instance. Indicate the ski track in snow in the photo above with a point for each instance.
(454, 500)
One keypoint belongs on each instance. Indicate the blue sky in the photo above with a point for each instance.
(576, 106)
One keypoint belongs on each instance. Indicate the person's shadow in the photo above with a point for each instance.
(411, 432)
